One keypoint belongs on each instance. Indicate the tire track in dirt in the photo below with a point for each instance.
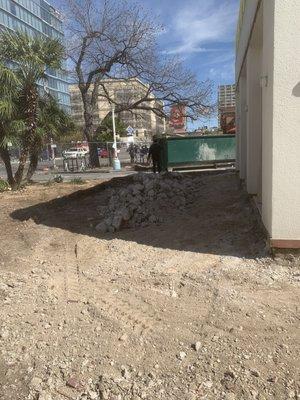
(72, 277)
(132, 314)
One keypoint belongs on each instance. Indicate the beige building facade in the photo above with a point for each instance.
(268, 113)
(226, 98)
(144, 122)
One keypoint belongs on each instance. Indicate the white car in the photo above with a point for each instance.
(75, 152)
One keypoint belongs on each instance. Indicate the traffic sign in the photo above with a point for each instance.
(130, 130)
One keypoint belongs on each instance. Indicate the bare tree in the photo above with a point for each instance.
(114, 40)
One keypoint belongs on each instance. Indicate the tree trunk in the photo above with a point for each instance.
(89, 131)
(34, 153)
(94, 156)
(21, 167)
(4, 154)
(30, 135)
(34, 160)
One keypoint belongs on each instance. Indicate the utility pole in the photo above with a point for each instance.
(116, 161)
(114, 130)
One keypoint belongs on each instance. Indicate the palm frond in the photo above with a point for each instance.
(13, 133)
(9, 82)
(32, 54)
(6, 108)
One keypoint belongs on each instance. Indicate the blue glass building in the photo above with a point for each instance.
(38, 17)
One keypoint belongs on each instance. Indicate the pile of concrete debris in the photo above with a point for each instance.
(146, 201)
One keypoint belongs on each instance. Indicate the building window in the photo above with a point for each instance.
(52, 83)
(47, 29)
(45, 11)
(13, 8)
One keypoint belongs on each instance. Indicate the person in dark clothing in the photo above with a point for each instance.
(131, 153)
(155, 155)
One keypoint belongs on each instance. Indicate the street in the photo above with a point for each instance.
(45, 172)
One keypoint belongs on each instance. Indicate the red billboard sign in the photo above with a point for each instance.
(178, 117)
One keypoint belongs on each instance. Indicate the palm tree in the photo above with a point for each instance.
(52, 121)
(11, 124)
(30, 56)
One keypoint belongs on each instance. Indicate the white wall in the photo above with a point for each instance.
(244, 34)
(286, 121)
(280, 177)
(254, 118)
(243, 124)
(267, 114)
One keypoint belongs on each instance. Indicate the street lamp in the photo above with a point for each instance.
(116, 161)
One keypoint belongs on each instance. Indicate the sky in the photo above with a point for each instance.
(201, 33)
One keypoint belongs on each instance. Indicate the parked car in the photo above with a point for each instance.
(103, 153)
(75, 152)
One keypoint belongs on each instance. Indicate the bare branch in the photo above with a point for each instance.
(111, 40)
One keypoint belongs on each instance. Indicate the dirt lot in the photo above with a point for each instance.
(190, 308)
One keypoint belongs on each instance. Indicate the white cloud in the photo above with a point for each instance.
(222, 74)
(203, 22)
(177, 50)
(226, 56)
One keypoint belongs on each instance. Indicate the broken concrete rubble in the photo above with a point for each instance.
(145, 201)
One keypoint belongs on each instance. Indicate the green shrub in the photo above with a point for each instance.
(77, 181)
(4, 186)
(58, 179)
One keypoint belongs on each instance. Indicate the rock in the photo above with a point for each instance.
(36, 383)
(45, 396)
(230, 396)
(255, 373)
(125, 214)
(197, 346)
(152, 219)
(254, 394)
(3, 287)
(208, 384)
(4, 334)
(75, 383)
(125, 373)
(102, 227)
(137, 188)
(142, 202)
(229, 380)
(182, 355)
(123, 338)
(272, 379)
(117, 222)
(92, 395)
(104, 395)
(229, 375)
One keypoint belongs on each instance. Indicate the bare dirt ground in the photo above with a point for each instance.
(191, 308)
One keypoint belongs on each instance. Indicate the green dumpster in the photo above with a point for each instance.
(197, 150)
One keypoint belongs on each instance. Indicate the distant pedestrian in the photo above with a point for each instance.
(136, 153)
(155, 155)
(143, 154)
(131, 153)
